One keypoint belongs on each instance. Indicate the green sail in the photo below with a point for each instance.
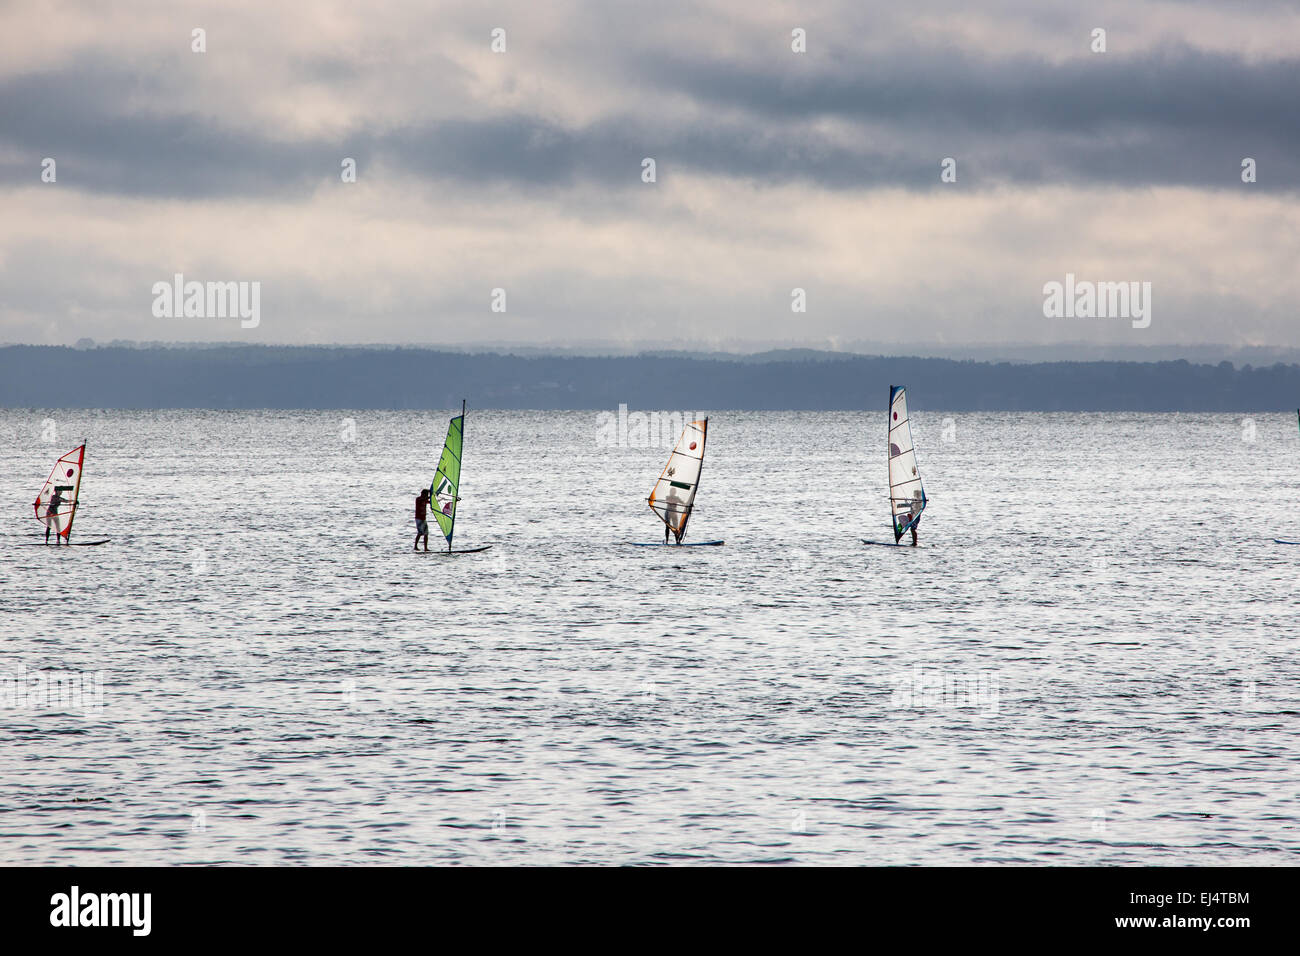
(446, 480)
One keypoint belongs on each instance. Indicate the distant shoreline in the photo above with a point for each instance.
(343, 377)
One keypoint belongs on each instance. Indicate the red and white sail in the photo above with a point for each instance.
(56, 505)
(673, 496)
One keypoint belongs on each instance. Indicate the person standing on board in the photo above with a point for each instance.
(52, 514)
(902, 523)
(421, 523)
(674, 509)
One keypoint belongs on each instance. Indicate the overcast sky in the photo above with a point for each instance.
(776, 170)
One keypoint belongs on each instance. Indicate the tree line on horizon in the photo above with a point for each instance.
(233, 377)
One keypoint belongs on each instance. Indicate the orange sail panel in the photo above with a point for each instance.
(673, 496)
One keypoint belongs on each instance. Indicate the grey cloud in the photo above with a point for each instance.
(1175, 117)
(1171, 87)
(76, 117)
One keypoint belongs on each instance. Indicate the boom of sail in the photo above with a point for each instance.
(906, 493)
(56, 505)
(673, 496)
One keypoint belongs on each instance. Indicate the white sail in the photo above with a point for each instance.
(673, 496)
(906, 494)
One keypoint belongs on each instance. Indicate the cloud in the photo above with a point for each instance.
(775, 169)
(1168, 117)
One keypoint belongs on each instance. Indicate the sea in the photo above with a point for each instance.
(1089, 659)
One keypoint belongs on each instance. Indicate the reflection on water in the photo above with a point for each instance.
(1091, 658)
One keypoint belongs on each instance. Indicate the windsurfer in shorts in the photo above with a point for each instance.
(903, 521)
(675, 508)
(918, 505)
(421, 524)
(52, 515)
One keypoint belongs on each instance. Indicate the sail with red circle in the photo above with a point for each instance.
(673, 496)
(56, 505)
(906, 494)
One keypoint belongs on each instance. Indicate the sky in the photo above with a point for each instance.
(523, 170)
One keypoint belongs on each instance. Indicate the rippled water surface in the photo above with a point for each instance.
(1091, 658)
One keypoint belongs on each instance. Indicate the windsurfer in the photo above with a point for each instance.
(421, 522)
(52, 515)
(903, 521)
(674, 503)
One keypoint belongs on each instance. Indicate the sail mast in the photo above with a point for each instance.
(459, 451)
(76, 491)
